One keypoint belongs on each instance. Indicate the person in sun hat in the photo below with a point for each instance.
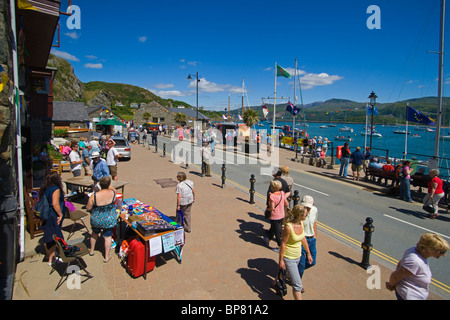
(99, 167)
(310, 225)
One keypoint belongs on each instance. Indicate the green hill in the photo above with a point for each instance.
(67, 87)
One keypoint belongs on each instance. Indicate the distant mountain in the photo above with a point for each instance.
(67, 87)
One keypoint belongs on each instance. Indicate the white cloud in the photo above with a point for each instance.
(164, 85)
(184, 62)
(65, 55)
(91, 57)
(142, 39)
(310, 80)
(208, 86)
(169, 93)
(93, 66)
(74, 35)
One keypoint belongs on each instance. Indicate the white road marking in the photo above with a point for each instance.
(414, 225)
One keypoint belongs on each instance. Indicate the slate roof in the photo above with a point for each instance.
(190, 113)
(68, 111)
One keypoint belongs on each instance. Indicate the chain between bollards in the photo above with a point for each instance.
(367, 244)
(252, 189)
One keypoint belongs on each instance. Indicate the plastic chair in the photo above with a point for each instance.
(77, 256)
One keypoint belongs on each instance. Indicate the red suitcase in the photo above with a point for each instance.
(136, 258)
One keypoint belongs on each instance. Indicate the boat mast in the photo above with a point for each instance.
(243, 92)
(440, 82)
(295, 100)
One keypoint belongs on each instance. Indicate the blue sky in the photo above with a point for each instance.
(157, 44)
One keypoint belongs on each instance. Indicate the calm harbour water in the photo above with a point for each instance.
(421, 147)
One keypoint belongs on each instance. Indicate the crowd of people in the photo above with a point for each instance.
(294, 228)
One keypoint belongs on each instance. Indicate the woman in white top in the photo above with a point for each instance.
(411, 280)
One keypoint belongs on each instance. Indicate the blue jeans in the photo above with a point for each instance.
(304, 264)
(344, 166)
(405, 192)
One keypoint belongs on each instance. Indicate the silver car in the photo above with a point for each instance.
(122, 147)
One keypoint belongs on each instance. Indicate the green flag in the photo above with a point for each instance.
(282, 73)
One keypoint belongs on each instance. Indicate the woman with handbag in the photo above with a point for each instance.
(52, 189)
(102, 206)
(435, 192)
(291, 248)
(276, 204)
(405, 182)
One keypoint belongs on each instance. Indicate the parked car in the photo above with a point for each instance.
(122, 147)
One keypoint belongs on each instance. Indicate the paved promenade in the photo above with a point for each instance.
(224, 257)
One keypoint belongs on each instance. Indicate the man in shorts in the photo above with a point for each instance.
(357, 158)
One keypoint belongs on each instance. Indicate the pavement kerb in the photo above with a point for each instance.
(245, 276)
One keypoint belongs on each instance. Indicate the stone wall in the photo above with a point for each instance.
(8, 172)
(156, 111)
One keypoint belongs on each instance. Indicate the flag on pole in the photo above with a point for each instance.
(416, 116)
(292, 109)
(281, 72)
(224, 117)
(240, 118)
(265, 110)
(369, 110)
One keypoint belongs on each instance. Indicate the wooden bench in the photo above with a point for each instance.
(420, 180)
(373, 173)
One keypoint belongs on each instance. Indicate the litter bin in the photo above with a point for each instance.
(8, 244)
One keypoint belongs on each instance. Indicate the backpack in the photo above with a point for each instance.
(42, 208)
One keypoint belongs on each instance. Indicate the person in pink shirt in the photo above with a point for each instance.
(277, 203)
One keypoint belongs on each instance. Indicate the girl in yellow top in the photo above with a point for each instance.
(291, 247)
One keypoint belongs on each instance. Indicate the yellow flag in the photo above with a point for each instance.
(4, 81)
(25, 5)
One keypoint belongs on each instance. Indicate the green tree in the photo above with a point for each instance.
(250, 117)
(180, 117)
(147, 116)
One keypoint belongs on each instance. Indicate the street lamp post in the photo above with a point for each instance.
(196, 82)
(373, 100)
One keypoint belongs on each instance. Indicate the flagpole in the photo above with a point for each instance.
(274, 106)
(440, 80)
(295, 100)
(406, 133)
(365, 133)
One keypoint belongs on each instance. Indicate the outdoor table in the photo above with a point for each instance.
(86, 183)
(177, 248)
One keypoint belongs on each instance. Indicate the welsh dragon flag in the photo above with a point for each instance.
(281, 72)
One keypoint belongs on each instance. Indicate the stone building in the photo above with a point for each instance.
(27, 29)
(161, 114)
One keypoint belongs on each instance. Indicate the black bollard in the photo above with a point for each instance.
(252, 189)
(203, 165)
(164, 149)
(296, 198)
(156, 146)
(223, 175)
(187, 160)
(367, 244)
